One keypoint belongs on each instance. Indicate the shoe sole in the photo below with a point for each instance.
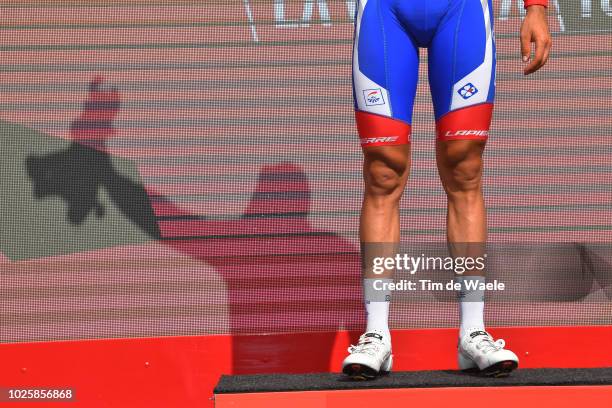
(361, 372)
(497, 370)
(501, 369)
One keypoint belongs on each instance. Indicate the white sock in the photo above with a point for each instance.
(472, 317)
(471, 305)
(378, 316)
(377, 306)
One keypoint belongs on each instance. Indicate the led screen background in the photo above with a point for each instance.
(192, 167)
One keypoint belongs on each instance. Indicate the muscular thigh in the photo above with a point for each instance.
(385, 72)
(462, 71)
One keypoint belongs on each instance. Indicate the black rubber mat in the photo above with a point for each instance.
(411, 379)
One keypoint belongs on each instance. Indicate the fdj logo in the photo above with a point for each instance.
(468, 90)
(373, 97)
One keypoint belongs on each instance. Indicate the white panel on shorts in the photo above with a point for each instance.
(370, 96)
(481, 77)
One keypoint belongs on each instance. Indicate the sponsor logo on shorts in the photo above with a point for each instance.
(468, 90)
(373, 97)
(480, 133)
(384, 139)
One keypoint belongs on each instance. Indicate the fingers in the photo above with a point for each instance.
(525, 45)
(537, 60)
(542, 50)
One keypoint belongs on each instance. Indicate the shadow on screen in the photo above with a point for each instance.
(78, 173)
(281, 273)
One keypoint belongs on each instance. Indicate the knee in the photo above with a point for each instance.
(385, 176)
(461, 171)
(382, 179)
(466, 177)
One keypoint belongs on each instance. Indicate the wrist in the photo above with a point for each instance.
(536, 3)
(536, 8)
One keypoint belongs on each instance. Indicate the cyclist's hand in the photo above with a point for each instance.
(535, 30)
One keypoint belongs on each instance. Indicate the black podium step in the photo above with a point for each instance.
(233, 384)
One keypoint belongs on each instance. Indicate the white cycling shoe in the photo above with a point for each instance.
(370, 358)
(478, 350)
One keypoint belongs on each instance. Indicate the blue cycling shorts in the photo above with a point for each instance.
(458, 35)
